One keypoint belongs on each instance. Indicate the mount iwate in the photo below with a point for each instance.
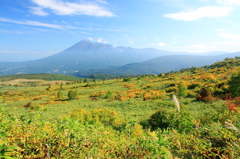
(86, 58)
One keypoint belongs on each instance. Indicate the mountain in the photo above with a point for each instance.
(166, 64)
(86, 57)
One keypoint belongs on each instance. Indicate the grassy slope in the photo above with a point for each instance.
(134, 109)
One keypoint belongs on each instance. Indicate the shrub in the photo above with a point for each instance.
(127, 79)
(233, 103)
(166, 118)
(182, 90)
(108, 95)
(60, 95)
(72, 94)
(191, 94)
(104, 116)
(234, 85)
(205, 95)
(28, 105)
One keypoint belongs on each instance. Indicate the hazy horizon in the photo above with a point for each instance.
(46, 27)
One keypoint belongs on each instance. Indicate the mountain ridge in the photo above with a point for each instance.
(86, 57)
(166, 64)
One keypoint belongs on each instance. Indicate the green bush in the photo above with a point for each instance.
(234, 85)
(166, 118)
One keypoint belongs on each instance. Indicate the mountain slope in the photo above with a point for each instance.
(168, 63)
(83, 56)
(86, 58)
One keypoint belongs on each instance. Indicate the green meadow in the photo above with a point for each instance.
(192, 113)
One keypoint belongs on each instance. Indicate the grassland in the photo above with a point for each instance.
(123, 118)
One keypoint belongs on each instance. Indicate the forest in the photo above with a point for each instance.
(191, 113)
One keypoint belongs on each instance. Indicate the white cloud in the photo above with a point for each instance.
(234, 43)
(33, 23)
(100, 40)
(200, 48)
(229, 2)
(161, 44)
(82, 32)
(230, 36)
(101, 1)
(129, 39)
(90, 38)
(208, 11)
(173, 3)
(14, 32)
(38, 11)
(67, 8)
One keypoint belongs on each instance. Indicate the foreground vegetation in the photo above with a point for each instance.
(186, 114)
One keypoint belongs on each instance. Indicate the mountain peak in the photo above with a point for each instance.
(85, 41)
(89, 45)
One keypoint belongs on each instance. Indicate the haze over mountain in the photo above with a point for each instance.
(85, 58)
(169, 63)
(21, 56)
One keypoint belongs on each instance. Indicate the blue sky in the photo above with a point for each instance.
(50, 26)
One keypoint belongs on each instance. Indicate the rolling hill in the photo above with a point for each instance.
(168, 63)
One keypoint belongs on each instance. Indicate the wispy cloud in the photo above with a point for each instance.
(235, 39)
(230, 36)
(90, 38)
(229, 2)
(67, 8)
(173, 3)
(161, 44)
(200, 48)
(14, 32)
(33, 23)
(101, 40)
(101, 1)
(82, 32)
(129, 39)
(208, 11)
(38, 11)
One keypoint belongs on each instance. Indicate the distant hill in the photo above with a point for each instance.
(167, 64)
(48, 77)
(86, 58)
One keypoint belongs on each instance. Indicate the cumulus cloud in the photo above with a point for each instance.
(33, 23)
(67, 8)
(208, 11)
